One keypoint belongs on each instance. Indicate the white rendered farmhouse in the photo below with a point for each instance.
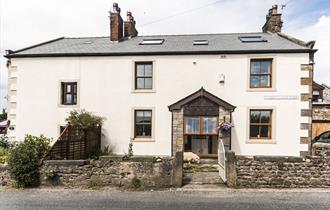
(170, 93)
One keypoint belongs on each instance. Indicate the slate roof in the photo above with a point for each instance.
(173, 44)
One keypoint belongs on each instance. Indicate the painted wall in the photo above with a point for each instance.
(106, 85)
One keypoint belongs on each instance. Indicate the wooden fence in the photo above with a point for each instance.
(76, 144)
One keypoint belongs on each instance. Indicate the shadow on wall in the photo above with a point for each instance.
(107, 142)
(235, 139)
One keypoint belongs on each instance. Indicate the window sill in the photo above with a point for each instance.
(261, 90)
(142, 140)
(68, 106)
(261, 141)
(144, 91)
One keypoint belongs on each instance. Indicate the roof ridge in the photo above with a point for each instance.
(202, 34)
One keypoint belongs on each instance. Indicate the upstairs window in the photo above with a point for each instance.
(261, 73)
(143, 75)
(69, 91)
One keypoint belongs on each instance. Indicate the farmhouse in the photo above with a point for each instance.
(202, 93)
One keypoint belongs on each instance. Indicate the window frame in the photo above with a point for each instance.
(60, 94)
(260, 124)
(135, 123)
(270, 74)
(135, 138)
(200, 126)
(136, 77)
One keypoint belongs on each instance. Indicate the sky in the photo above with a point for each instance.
(24, 23)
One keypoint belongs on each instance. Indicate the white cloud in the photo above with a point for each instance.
(23, 23)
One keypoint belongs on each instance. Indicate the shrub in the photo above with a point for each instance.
(4, 152)
(130, 154)
(25, 158)
(83, 119)
(5, 142)
(136, 182)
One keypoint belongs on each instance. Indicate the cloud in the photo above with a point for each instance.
(24, 23)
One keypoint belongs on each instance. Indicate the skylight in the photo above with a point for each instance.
(201, 42)
(252, 39)
(152, 42)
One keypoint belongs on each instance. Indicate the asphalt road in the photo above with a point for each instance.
(227, 199)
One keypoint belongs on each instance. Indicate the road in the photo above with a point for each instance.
(226, 199)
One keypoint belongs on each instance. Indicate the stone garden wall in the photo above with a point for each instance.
(138, 172)
(280, 172)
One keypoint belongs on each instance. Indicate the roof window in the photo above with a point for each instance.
(252, 39)
(201, 42)
(152, 42)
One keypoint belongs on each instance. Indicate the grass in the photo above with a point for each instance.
(3, 155)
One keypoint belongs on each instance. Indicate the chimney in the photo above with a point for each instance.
(116, 24)
(273, 21)
(129, 26)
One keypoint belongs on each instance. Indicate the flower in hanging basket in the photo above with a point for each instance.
(226, 126)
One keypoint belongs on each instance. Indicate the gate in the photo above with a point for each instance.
(222, 160)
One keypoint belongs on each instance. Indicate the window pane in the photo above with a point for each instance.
(265, 67)
(254, 81)
(74, 99)
(264, 81)
(75, 88)
(140, 70)
(68, 88)
(254, 116)
(209, 124)
(265, 116)
(138, 116)
(192, 125)
(265, 131)
(147, 117)
(147, 130)
(148, 83)
(139, 130)
(148, 70)
(254, 131)
(140, 83)
(255, 67)
(68, 99)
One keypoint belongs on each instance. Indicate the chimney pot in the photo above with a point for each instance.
(116, 23)
(129, 26)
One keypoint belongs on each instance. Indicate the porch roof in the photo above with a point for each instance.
(201, 93)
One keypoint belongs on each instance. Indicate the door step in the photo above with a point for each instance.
(201, 178)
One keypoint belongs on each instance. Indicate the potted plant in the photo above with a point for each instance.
(226, 126)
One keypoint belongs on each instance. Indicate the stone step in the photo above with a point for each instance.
(208, 161)
(192, 168)
(202, 178)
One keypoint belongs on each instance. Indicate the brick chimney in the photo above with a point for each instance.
(116, 24)
(273, 21)
(129, 26)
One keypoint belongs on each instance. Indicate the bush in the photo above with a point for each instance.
(84, 119)
(130, 154)
(5, 142)
(136, 183)
(4, 152)
(25, 158)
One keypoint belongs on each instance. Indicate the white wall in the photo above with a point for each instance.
(106, 89)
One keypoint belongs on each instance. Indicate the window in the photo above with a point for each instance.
(143, 123)
(201, 125)
(261, 73)
(260, 124)
(69, 93)
(143, 75)
(252, 39)
(201, 42)
(152, 42)
(317, 96)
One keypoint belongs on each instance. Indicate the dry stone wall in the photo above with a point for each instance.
(282, 172)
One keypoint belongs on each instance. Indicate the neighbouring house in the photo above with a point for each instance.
(169, 93)
(321, 109)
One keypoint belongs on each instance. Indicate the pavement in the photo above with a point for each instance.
(184, 198)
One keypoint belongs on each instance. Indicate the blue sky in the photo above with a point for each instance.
(24, 23)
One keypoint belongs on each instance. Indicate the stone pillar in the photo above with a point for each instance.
(231, 175)
(177, 170)
(177, 131)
